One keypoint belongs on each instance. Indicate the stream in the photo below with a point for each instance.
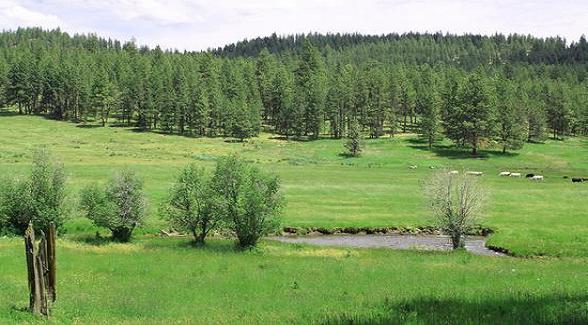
(474, 244)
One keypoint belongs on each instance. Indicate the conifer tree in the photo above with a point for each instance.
(353, 143)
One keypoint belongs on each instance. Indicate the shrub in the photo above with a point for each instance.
(456, 201)
(120, 206)
(39, 199)
(249, 199)
(190, 205)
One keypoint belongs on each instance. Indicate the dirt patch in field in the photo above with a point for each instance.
(474, 244)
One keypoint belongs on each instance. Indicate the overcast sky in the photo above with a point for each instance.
(200, 24)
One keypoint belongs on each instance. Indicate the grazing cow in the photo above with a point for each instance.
(515, 175)
(453, 172)
(577, 180)
(537, 178)
(505, 174)
(412, 167)
(475, 173)
(529, 175)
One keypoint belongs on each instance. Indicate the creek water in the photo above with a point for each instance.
(473, 244)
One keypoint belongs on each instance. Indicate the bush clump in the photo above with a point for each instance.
(119, 206)
(237, 197)
(39, 199)
(191, 204)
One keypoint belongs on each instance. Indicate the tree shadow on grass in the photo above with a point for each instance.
(7, 113)
(555, 309)
(454, 152)
(346, 155)
(187, 243)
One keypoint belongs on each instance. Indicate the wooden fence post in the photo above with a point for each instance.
(41, 270)
(33, 271)
(51, 263)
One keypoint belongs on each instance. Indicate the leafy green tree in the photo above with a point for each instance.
(120, 206)
(39, 200)
(249, 200)
(191, 204)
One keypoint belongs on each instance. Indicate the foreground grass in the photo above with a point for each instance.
(156, 280)
(327, 190)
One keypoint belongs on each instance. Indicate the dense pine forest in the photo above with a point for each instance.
(499, 91)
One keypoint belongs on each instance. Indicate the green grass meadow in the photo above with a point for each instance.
(163, 280)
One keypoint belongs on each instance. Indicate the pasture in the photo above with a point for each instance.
(324, 189)
(165, 280)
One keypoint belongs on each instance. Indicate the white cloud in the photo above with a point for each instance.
(13, 15)
(199, 24)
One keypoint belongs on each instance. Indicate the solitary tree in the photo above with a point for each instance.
(190, 205)
(353, 143)
(456, 202)
(120, 206)
(249, 200)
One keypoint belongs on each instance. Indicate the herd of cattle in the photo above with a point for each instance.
(530, 176)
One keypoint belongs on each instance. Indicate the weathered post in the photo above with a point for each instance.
(51, 283)
(33, 271)
(41, 259)
(41, 270)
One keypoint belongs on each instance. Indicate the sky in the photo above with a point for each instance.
(202, 24)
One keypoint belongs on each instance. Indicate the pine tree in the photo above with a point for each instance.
(311, 89)
(476, 110)
(353, 143)
(511, 125)
(428, 102)
(558, 111)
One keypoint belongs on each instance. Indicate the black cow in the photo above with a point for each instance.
(529, 175)
(577, 180)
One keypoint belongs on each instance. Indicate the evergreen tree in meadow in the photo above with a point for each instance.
(283, 100)
(265, 72)
(428, 102)
(511, 131)
(558, 112)
(311, 81)
(353, 143)
(406, 99)
(477, 111)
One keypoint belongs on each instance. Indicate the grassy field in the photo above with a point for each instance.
(163, 280)
(325, 189)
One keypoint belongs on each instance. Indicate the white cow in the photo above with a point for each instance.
(537, 178)
(453, 172)
(475, 173)
(412, 167)
(515, 175)
(505, 173)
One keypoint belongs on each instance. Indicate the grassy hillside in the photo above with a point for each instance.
(325, 189)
